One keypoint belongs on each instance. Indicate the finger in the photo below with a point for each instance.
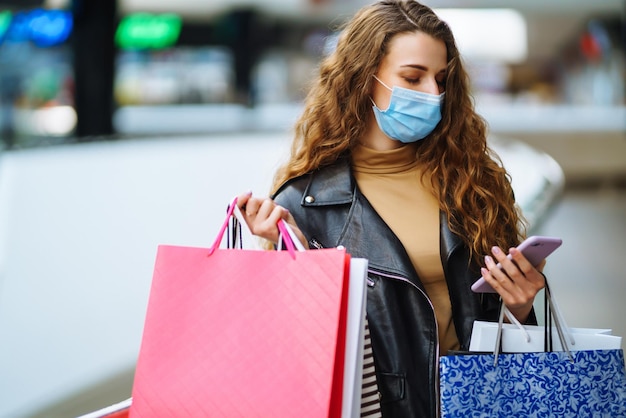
(533, 280)
(541, 265)
(266, 220)
(242, 200)
(508, 265)
(499, 284)
(496, 273)
(275, 215)
(522, 263)
(265, 208)
(252, 206)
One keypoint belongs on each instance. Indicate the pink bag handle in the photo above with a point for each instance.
(220, 234)
(282, 227)
(285, 231)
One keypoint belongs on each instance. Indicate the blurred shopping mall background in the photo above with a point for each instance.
(131, 123)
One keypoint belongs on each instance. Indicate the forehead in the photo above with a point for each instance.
(416, 48)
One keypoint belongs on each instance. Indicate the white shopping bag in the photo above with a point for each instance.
(514, 340)
(355, 335)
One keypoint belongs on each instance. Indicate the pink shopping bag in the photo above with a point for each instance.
(243, 333)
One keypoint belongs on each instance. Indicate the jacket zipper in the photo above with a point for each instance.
(405, 280)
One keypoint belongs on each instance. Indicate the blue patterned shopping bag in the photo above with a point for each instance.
(550, 384)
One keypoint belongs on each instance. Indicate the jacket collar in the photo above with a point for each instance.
(336, 185)
(332, 185)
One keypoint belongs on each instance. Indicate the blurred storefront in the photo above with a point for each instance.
(36, 76)
(69, 67)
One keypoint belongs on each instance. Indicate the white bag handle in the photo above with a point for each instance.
(512, 319)
(560, 325)
(286, 230)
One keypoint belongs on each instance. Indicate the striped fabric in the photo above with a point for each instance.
(370, 401)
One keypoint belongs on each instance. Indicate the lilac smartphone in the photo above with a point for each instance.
(534, 248)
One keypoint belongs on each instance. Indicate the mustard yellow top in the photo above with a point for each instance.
(392, 182)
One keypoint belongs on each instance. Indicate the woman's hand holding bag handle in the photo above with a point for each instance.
(286, 233)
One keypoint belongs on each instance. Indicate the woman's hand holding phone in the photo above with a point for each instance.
(535, 249)
(516, 276)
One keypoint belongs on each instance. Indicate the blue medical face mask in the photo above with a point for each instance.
(411, 115)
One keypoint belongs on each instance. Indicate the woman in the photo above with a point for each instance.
(390, 160)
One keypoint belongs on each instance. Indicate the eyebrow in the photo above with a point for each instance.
(423, 68)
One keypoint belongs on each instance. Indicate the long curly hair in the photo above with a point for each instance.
(474, 189)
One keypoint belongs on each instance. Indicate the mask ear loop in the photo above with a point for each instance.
(386, 86)
(381, 82)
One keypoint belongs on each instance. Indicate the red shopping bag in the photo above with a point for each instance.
(243, 333)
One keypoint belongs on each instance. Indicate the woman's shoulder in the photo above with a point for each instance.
(291, 191)
(331, 177)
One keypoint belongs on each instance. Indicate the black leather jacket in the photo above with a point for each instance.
(331, 211)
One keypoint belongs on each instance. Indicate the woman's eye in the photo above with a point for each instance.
(412, 80)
